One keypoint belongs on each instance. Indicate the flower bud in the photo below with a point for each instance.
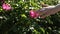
(33, 14)
(6, 6)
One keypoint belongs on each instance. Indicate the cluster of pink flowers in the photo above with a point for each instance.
(6, 6)
(33, 14)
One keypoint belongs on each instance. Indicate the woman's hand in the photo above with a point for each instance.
(47, 11)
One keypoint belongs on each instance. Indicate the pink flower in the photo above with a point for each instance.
(6, 6)
(33, 14)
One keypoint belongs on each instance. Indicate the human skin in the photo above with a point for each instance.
(49, 10)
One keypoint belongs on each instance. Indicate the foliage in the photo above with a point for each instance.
(18, 21)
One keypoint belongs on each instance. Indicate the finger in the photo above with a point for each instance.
(45, 15)
(41, 11)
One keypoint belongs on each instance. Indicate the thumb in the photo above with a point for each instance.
(44, 5)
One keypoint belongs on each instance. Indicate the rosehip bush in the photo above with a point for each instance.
(15, 17)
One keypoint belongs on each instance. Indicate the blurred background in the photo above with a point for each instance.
(18, 21)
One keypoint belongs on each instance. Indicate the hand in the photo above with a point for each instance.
(46, 11)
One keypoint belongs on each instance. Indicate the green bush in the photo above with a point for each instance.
(18, 21)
